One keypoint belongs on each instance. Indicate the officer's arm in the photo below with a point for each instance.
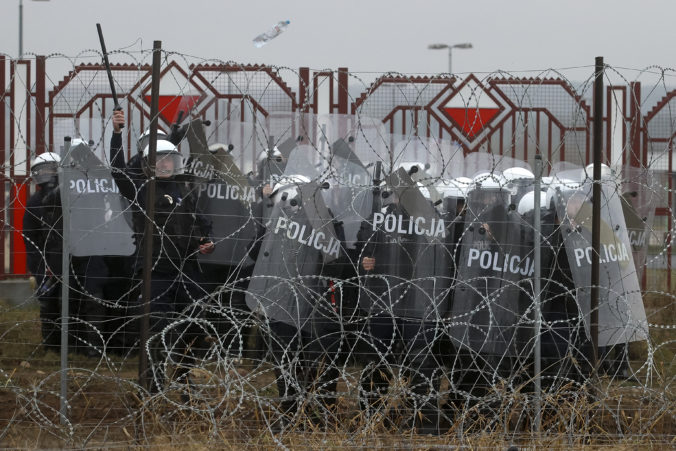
(116, 148)
(366, 245)
(366, 238)
(204, 226)
(206, 245)
(119, 168)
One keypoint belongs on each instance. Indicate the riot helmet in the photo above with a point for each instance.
(44, 168)
(270, 154)
(527, 202)
(517, 173)
(588, 172)
(227, 148)
(456, 187)
(142, 141)
(546, 182)
(555, 187)
(79, 141)
(414, 167)
(488, 180)
(424, 191)
(454, 193)
(287, 187)
(168, 161)
(270, 162)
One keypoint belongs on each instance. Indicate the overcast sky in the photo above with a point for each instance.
(364, 35)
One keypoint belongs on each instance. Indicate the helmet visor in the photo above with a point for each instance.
(168, 164)
(43, 173)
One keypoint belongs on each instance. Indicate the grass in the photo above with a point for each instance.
(236, 402)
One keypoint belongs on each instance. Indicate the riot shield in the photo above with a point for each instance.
(433, 267)
(521, 215)
(225, 197)
(486, 308)
(639, 198)
(621, 313)
(429, 162)
(365, 137)
(273, 160)
(407, 192)
(370, 140)
(452, 208)
(297, 126)
(246, 140)
(270, 168)
(300, 238)
(438, 158)
(100, 220)
(411, 276)
(349, 197)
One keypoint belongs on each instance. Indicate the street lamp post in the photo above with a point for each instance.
(21, 26)
(20, 29)
(464, 45)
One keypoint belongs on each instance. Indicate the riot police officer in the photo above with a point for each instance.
(406, 284)
(87, 273)
(227, 199)
(121, 288)
(41, 236)
(298, 253)
(179, 233)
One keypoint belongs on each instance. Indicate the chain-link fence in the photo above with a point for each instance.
(326, 258)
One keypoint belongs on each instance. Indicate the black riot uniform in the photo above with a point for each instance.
(42, 237)
(403, 299)
(43, 224)
(291, 287)
(226, 281)
(487, 295)
(98, 229)
(44, 228)
(621, 314)
(227, 200)
(178, 231)
(565, 348)
(122, 287)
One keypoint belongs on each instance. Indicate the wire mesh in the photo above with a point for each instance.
(371, 282)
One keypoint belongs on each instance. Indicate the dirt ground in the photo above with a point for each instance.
(235, 405)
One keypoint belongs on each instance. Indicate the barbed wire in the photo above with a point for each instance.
(373, 276)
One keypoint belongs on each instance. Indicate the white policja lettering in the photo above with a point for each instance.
(414, 225)
(317, 240)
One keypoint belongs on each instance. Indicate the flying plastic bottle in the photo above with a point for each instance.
(262, 39)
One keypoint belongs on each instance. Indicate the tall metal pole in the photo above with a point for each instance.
(20, 29)
(596, 209)
(65, 285)
(536, 289)
(450, 59)
(143, 373)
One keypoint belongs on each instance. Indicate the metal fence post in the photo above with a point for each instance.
(144, 376)
(536, 289)
(596, 210)
(65, 286)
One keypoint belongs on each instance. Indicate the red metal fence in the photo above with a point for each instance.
(507, 116)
